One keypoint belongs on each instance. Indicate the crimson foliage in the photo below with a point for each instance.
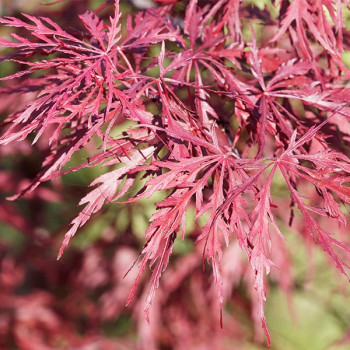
(216, 121)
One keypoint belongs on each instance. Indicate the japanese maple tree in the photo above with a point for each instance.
(215, 121)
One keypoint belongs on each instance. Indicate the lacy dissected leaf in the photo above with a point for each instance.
(105, 192)
(312, 15)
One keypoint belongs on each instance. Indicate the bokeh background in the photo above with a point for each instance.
(79, 301)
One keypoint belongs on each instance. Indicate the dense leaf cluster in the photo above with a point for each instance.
(215, 119)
